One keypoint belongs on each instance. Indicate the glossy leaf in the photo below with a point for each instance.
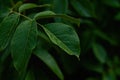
(27, 6)
(45, 56)
(64, 36)
(99, 52)
(7, 28)
(50, 14)
(23, 42)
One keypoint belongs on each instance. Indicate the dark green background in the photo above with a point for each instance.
(99, 35)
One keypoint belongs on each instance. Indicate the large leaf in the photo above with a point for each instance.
(50, 14)
(23, 42)
(45, 56)
(99, 52)
(7, 28)
(64, 36)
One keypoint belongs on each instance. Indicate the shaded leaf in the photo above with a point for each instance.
(117, 16)
(30, 75)
(83, 8)
(60, 6)
(27, 6)
(43, 14)
(110, 75)
(105, 37)
(49, 14)
(91, 78)
(94, 67)
(7, 28)
(99, 52)
(4, 8)
(45, 56)
(112, 3)
(64, 36)
(31, 6)
(17, 5)
(23, 42)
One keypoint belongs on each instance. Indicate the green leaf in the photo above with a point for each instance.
(7, 28)
(110, 75)
(91, 78)
(50, 14)
(105, 37)
(17, 5)
(3, 58)
(4, 8)
(31, 6)
(93, 66)
(117, 16)
(60, 6)
(81, 8)
(45, 56)
(112, 3)
(30, 75)
(44, 14)
(99, 52)
(64, 36)
(27, 6)
(23, 42)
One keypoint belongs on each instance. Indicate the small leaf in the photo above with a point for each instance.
(43, 14)
(49, 61)
(23, 42)
(99, 52)
(50, 14)
(7, 28)
(27, 6)
(63, 36)
(17, 5)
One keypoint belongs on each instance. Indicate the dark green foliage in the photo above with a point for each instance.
(59, 40)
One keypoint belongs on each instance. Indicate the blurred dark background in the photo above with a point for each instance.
(99, 34)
